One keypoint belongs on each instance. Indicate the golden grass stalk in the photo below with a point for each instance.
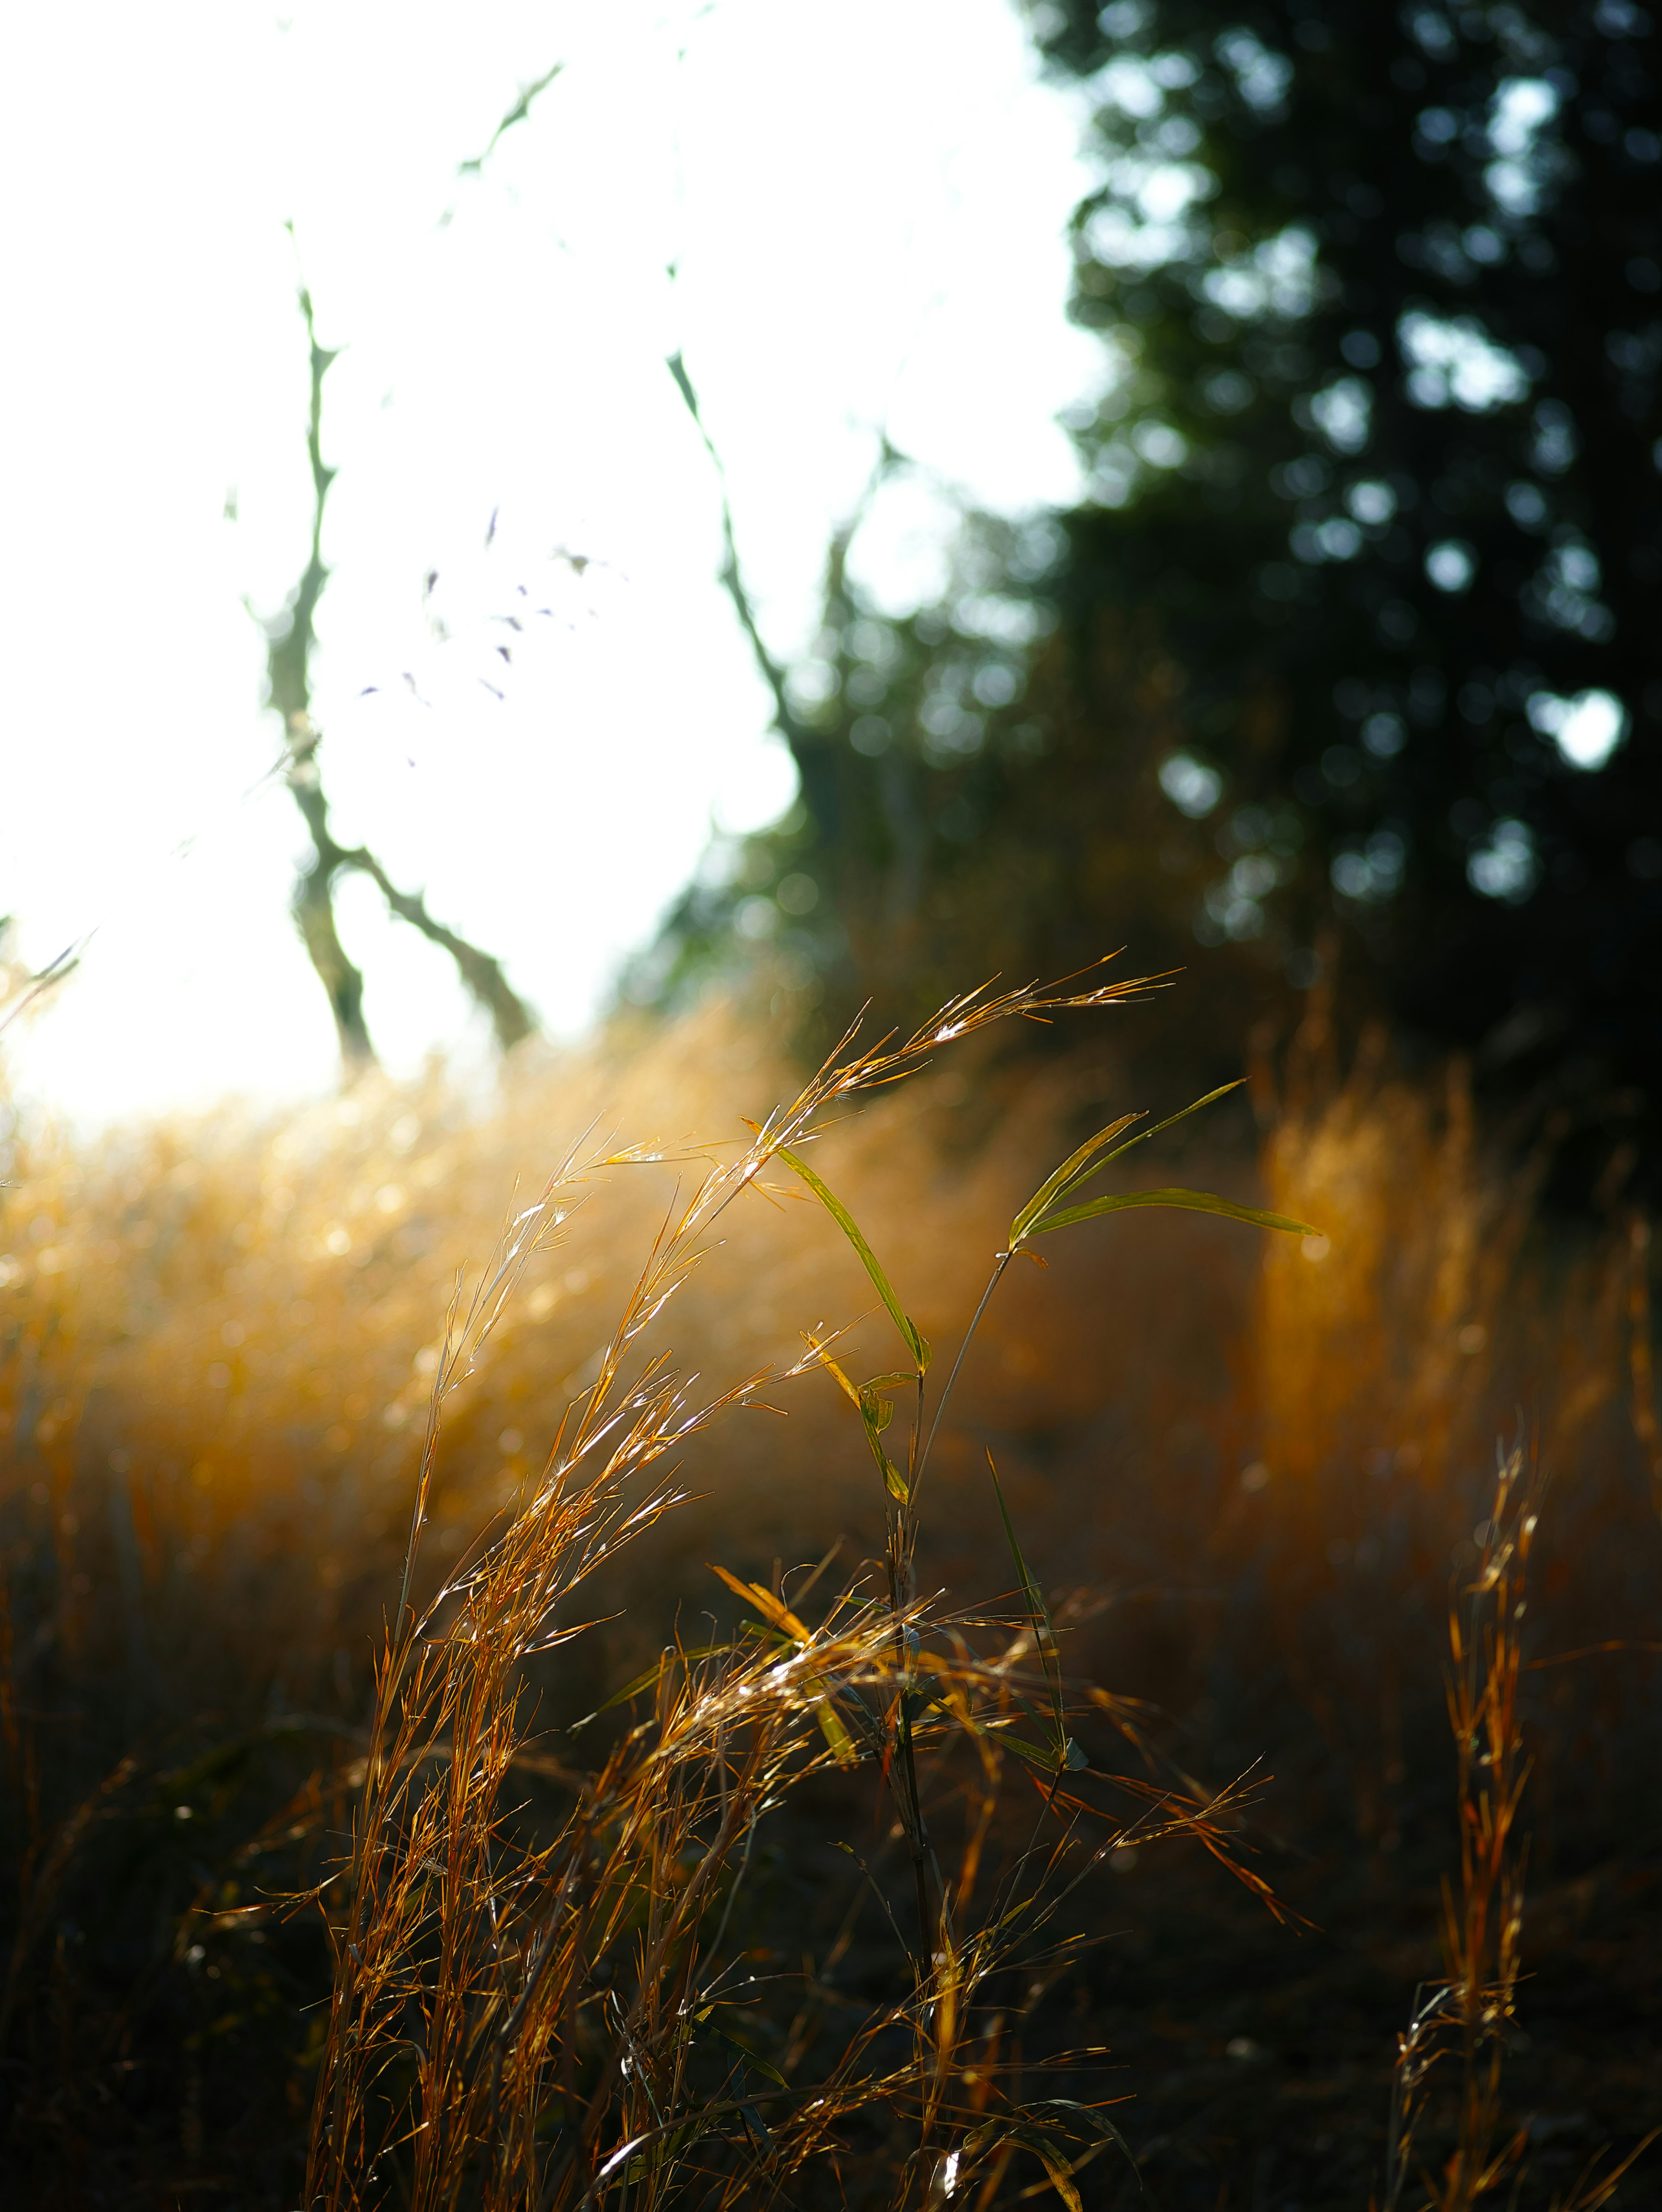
(1467, 2017)
(212, 1413)
(526, 2014)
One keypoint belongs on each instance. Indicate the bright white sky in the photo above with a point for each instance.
(865, 206)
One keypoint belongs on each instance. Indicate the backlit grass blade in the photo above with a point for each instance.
(1059, 2167)
(773, 1610)
(1018, 2128)
(850, 1389)
(1196, 1202)
(874, 1413)
(893, 1480)
(1091, 2118)
(1172, 1120)
(837, 1736)
(1037, 1754)
(1044, 1754)
(1051, 2155)
(1055, 1184)
(876, 1406)
(644, 1682)
(914, 1342)
(779, 1617)
(1083, 1166)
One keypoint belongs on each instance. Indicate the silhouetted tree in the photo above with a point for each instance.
(1357, 625)
(1381, 470)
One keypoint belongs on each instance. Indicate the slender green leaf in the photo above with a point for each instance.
(1040, 1720)
(1073, 1759)
(877, 1411)
(1051, 2155)
(1141, 1138)
(1064, 1174)
(1196, 1201)
(1018, 2127)
(916, 1343)
(757, 2125)
(874, 1421)
(831, 1727)
(784, 1622)
(893, 1481)
(1092, 2119)
(850, 1389)
(646, 1681)
(1036, 1754)
(1061, 2171)
(747, 2051)
(1170, 1120)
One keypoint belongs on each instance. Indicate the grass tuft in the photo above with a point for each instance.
(402, 1809)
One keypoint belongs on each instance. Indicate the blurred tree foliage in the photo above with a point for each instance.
(1358, 622)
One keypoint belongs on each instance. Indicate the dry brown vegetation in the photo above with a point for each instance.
(621, 1859)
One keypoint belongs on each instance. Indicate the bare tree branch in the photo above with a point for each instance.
(795, 732)
(481, 972)
(802, 738)
(289, 642)
(32, 985)
(517, 113)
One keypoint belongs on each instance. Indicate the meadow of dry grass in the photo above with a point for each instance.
(792, 1921)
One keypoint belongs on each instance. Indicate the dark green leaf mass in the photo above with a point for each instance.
(1354, 640)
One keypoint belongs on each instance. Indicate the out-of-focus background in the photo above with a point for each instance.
(551, 558)
(850, 234)
(1236, 442)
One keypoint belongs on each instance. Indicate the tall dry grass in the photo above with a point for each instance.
(1245, 1478)
(1444, 1312)
(550, 1988)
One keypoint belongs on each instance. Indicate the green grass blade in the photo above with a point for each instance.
(877, 1412)
(874, 1413)
(893, 1481)
(1143, 1135)
(1064, 1174)
(1060, 2168)
(1196, 1202)
(876, 1405)
(916, 1343)
(831, 1727)
(746, 2050)
(1170, 1120)
(1036, 1754)
(645, 1681)
(1072, 1758)
(1091, 2118)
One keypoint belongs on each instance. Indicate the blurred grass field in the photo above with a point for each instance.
(1246, 1470)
